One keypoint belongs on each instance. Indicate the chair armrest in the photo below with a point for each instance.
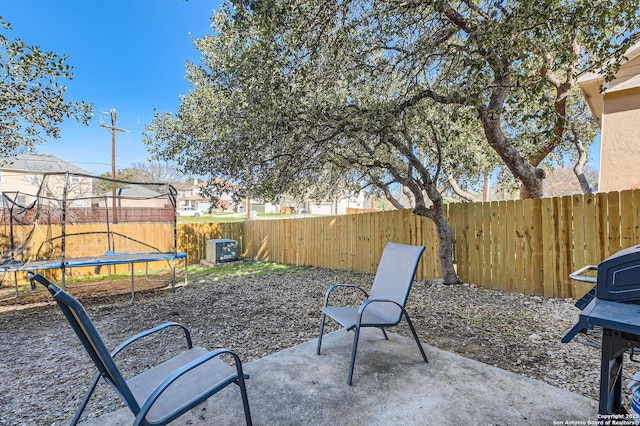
(335, 286)
(182, 371)
(370, 301)
(139, 336)
(367, 302)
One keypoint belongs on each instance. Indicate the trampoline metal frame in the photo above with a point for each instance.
(107, 259)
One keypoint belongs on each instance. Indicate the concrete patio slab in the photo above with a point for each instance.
(391, 386)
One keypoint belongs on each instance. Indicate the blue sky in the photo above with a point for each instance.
(126, 54)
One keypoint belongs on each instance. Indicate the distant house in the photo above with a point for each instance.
(329, 207)
(338, 206)
(190, 194)
(132, 196)
(21, 178)
(617, 112)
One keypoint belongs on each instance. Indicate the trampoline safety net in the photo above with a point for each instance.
(68, 222)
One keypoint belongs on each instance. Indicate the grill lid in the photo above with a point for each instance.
(619, 276)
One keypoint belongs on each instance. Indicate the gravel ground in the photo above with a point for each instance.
(45, 373)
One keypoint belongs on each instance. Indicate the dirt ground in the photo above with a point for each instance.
(45, 372)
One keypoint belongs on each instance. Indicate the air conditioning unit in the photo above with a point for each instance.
(222, 250)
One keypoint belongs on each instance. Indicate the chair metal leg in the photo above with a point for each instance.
(320, 336)
(385, 333)
(353, 354)
(415, 336)
(245, 400)
(85, 401)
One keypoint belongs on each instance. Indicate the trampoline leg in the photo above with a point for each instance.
(173, 281)
(132, 284)
(185, 271)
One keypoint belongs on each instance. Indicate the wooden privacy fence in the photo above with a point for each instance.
(350, 242)
(531, 246)
(526, 246)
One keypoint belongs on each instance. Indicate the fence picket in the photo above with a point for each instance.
(519, 252)
(602, 227)
(626, 220)
(503, 249)
(537, 250)
(511, 246)
(613, 220)
(477, 246)
(565, 287)
(548, 239)
(486, 244)
(494, 252)
(636, 216)
(529, 241)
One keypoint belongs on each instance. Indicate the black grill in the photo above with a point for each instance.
(612, 306)
(619, 276)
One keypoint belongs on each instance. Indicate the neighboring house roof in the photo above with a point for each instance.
(134, 191)
(182, 186)
(626, 78)
(137, 191)
(41, 163)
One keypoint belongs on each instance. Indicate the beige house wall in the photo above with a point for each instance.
(620, 141)
(28, 184)
(617, 112)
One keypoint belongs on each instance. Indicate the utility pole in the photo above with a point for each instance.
(248, 207)
(113, 129)
(249, 197)
(485, 189)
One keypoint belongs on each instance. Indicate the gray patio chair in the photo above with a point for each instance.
(385, 305)
(164, 392)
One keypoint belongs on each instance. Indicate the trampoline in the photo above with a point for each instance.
(107, 259)
(49, 217)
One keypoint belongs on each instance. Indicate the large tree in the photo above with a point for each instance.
(254, 117)
(32, 101)
(291, 96)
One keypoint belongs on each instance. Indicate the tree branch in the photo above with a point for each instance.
(459, 191)
(579, 167)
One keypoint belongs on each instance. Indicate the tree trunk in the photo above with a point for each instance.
(445, 252)
(579, 167)
(530, 177)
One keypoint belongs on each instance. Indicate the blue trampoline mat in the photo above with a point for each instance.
(109, 258)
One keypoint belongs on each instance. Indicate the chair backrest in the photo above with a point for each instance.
(91, 340)
(394, 278)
